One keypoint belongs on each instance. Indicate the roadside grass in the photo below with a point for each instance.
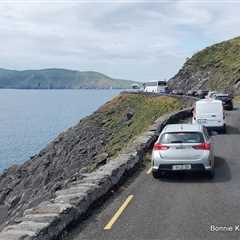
(129, 115)
(237, 99)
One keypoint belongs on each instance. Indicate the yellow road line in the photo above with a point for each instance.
(118, 213)
(149, 170)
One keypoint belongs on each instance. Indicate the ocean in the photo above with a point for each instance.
(30, 119)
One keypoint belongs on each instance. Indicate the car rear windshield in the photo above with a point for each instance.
(182, 137)
(223, 98)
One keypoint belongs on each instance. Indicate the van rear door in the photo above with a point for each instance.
(209, 113)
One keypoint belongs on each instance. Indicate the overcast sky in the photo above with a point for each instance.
(138, 40)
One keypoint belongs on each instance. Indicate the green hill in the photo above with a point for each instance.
(59, 79)
(215, 67)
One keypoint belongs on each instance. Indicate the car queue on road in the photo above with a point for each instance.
(188, 147)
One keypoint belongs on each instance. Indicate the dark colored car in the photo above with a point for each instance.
(195, 93)
(226, 100)
(202, 93)
(177, 92)
(180, 92)
(191, 92)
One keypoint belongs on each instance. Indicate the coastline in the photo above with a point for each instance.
(30, 119)
(80, 150)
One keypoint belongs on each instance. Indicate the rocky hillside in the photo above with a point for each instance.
(215, 67)
(79, 149)
(58, 79)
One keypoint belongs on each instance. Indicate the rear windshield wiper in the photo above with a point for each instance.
(176, 142)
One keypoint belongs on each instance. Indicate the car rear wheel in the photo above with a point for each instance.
(210, 174)
(156, 174)
(224, 129)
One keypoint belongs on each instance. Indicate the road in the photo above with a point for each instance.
(182, 206)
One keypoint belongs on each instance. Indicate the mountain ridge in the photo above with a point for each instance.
(59, 78)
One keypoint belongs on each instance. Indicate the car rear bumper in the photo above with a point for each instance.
(206, 161)
(227, 106)
(210, 124)
(196, 167)
(203, 164)
(216, 128)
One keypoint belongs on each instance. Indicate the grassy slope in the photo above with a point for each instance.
(224, 61)
(145, 109)
(219, 62)
(237, 99)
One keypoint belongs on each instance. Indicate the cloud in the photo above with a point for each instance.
(140, 40)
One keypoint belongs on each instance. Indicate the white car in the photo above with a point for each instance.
(183, 147)
(211, 94)
(210, 113)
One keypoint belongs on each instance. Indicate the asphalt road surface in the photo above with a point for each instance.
(182, 206)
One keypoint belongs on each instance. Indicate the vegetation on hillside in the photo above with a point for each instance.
(237, 99)
(58, 79)
(128, 115)
(215, 67)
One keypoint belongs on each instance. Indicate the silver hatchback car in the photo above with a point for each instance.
(183, 147)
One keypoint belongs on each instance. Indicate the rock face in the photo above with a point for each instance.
(80, 149)
(37, 179)
(216, 67)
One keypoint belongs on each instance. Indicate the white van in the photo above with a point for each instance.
(209, 113)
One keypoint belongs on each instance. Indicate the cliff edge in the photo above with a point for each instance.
(216, 67)
(80, 149)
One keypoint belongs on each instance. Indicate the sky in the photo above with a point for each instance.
(135, 40)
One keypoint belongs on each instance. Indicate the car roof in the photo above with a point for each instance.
(183, 128)
(222, 95)
(208, 100)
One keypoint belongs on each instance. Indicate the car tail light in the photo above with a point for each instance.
(202, 146)
(159, 146)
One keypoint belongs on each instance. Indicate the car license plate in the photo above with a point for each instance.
(202, 121)
(181, 167)
(181, 147)
(178, 147)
